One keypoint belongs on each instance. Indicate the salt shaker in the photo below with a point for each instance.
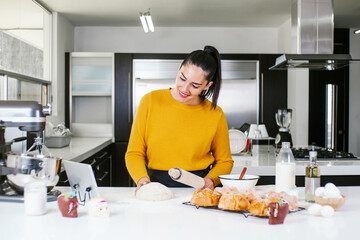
(35, 198)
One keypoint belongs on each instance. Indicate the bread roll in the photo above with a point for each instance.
(290, 199)
(259, 207)
(205, 198)
(233, 202)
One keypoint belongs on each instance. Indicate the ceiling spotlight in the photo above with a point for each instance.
(357, 31)
(146, 21)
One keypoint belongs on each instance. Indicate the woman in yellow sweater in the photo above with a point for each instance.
(179, 127)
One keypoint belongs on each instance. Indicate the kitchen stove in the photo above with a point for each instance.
(323, 154)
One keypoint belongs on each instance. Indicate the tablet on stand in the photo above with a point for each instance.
(82, 180)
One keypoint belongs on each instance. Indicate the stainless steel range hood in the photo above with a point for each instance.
(312, 61)
(313, 30)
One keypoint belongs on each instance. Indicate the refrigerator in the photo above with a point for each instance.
(239, 94)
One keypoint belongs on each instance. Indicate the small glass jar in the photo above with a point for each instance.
(35, 198)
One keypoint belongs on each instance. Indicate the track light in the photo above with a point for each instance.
(146, 21)
(357, 31)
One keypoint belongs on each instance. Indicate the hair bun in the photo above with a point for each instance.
(208, 50)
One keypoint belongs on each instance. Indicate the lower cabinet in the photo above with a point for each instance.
(101, 163)
(121, 177)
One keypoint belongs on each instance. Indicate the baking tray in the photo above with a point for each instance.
(245, 213)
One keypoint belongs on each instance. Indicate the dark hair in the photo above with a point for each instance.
(209, 61)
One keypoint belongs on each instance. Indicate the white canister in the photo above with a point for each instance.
(35, 198)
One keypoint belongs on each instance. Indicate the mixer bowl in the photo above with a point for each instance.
(37, 167)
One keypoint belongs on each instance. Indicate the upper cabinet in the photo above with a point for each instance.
(91, 94)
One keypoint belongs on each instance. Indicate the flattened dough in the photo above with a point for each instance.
(154, 191)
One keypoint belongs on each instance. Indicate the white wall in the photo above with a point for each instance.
(285, 42)
(63, 41)
(354, 98)
(175, 40)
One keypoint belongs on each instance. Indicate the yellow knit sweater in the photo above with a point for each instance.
(167, 134)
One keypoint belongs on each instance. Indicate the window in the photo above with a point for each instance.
(25, 44)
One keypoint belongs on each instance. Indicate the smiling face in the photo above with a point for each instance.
(190, 82)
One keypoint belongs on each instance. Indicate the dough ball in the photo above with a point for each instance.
(315, 209)
(154, 192)
(327, 211)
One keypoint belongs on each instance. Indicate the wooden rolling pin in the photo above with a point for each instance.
(187, 178)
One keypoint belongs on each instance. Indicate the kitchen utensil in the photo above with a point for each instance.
(232, 180)
(28, 116)
(243, 172)
(187, 178)
(57, 141)
(237, 141)
(29, 167)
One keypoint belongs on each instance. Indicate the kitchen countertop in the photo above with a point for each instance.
(81, 148)
(263, 163)
(134, 219)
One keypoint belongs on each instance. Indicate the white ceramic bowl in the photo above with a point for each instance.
(232, 180)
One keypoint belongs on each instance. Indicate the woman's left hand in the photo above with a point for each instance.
(209, 183)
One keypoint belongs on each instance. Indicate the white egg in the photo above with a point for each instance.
(315, 209)
(319, 191)
(330, 186)
(332, 193)
(327, 211)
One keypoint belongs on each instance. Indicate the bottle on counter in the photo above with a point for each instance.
(312, 176)
(285, 169)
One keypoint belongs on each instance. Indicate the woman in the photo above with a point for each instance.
(179, 127)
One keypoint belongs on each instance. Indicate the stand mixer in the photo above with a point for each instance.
(35, 164)
(283, 120)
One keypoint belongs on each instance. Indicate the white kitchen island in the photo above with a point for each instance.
(134, 219)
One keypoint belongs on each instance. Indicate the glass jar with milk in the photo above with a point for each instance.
(285, 169)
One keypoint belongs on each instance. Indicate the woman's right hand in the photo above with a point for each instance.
(142, 182)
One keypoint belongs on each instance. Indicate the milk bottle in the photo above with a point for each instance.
(285, 169)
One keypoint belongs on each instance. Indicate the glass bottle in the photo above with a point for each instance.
(285, 169)
(312, 177)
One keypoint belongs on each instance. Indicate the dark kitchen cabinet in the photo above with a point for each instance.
(123, 96)
(273, 92)
(121, 175)
(123, 117)
(101, 163)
